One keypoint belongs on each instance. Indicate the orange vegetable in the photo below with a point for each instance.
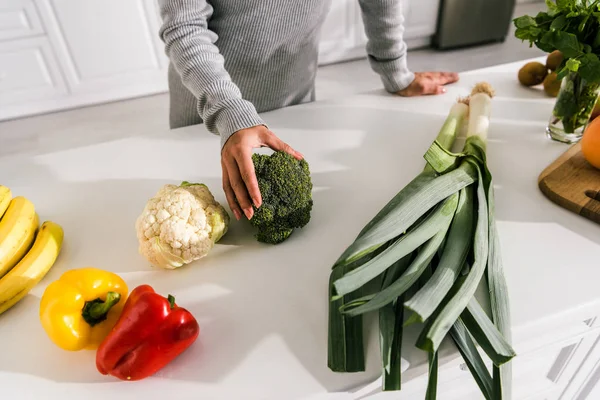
(590, 143)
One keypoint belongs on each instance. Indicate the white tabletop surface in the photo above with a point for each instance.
(263, 309)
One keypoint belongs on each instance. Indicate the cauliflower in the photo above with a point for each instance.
(180, 224)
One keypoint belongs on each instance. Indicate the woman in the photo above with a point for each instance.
(233, 59)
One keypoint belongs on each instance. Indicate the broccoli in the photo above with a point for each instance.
(286, 190)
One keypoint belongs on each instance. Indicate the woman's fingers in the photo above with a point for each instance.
(239, 177)
(248, 175)
(277, 144)
(239, 187)
(229, 194)
(444, 78)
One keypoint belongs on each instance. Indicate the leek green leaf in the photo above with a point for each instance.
(345, 338)
(397, 269)
(445, 138)
(486, 334)
(441, 159)
(390, 330)
(357, 302)
(417, 198)
(413, 319)
(466, 269)
(456, 305)
(414, 186)
(452, 260)
(499, 299)
(475, 151)
(472, 358)
(345, 348)
(390, 327)
(408, 278)
(431, 393)
(438, 218)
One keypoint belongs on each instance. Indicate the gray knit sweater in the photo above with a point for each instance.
(233, 59)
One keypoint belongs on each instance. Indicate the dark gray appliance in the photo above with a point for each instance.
(471, 22)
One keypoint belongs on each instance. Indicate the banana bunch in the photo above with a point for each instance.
(27, 250)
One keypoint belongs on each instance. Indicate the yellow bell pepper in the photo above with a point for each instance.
(79, 309)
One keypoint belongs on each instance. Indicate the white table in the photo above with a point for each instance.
(263, 309)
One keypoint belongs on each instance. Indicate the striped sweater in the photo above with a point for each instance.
(233, 59)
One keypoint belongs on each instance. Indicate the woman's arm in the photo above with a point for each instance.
(190, 46)
(384, 27)
(387, 51)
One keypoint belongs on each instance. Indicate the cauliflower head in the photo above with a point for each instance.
(180, 224)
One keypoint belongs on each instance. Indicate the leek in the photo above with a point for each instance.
(427, 250)
(345, 338)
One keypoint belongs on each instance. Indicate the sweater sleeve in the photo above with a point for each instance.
(191, 48)
(386, 49)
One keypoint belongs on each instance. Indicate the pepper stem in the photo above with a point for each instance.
(96, 311)
(171, 301)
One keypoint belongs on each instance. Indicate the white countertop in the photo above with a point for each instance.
(263, 309)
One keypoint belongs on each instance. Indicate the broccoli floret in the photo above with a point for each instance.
(286, 190)
(273, 236)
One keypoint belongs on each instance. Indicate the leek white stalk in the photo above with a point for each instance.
(458, 112)
(480, 104)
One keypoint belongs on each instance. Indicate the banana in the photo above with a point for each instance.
(17, 232)
(33, 267)
(5, 198)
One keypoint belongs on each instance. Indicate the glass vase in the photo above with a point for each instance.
(573, 108)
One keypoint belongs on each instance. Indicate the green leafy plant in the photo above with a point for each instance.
(573, 28)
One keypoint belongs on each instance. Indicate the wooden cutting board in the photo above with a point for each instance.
(572, 183)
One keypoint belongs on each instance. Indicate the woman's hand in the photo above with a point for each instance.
(429, 83)
(239, 179)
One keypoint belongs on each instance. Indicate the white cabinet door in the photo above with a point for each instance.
(420, 22)
(586, 383)
(19, 19)
(29, 74)
(340, 33)
(420, 18)
(343, 35)
(106, 46)
(539, 374)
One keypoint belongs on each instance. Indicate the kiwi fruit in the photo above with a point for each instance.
(552, 84)
(533, 73)
(554, 60)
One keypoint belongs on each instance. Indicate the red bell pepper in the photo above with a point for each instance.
(151, 331)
